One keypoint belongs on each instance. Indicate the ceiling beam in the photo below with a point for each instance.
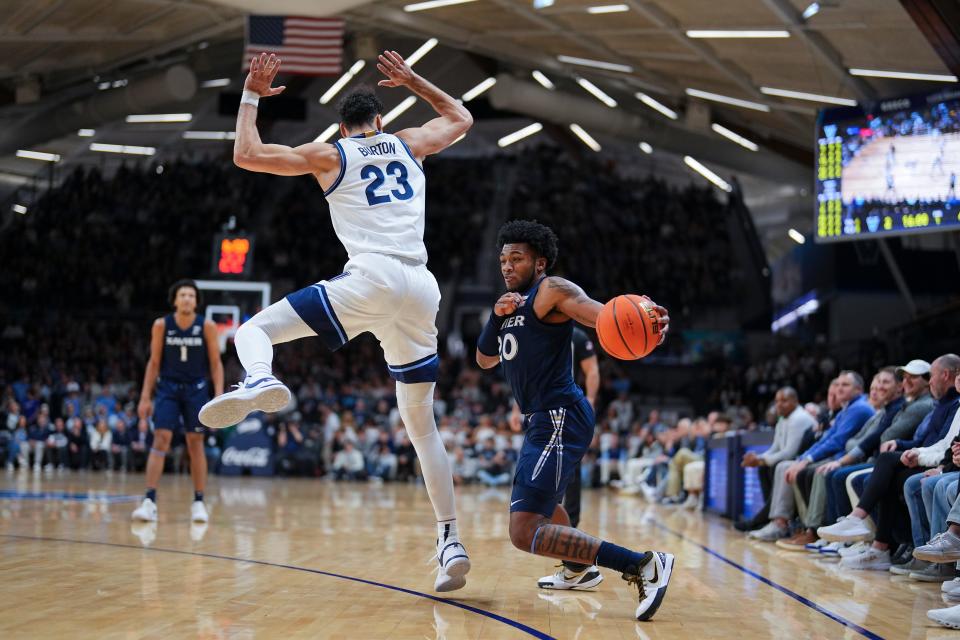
(830, 56)
(78, 36)
(654, 80)
(43, 15)
(738, 76)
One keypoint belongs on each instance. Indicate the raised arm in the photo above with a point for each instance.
(250, 153)
(436, 135)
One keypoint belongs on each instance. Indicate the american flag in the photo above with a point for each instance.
(307, 46)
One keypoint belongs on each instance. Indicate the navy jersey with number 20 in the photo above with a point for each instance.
(536, 358)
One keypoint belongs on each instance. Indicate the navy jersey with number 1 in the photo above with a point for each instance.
(182, 385)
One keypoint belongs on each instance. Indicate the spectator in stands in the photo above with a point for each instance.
(120, 446)
(854, 412)
(101, 446)
(289, 443)
(494, 471)
(791, 426)
(694, 452)
(56, 445)
(654, 423)
(464, 468)
(694, 470)
(810, 489)
(37, 434)
(884, 490)
(348, 463)
(78, 449)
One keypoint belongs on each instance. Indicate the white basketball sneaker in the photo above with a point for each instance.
(198, 512)
(566, 578)
(265, 394)
(651, 580)
(146, 512)
(453, 565)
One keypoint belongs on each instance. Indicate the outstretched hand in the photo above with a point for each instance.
(663, 318)
(392, 65)
(263, 70)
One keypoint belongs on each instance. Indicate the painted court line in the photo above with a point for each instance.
(507, 621)
(67, 496)
(767, 581)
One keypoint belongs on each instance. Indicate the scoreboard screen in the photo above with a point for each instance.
(232, 254)
(890, 169)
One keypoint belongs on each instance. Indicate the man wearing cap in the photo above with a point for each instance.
(884, 490)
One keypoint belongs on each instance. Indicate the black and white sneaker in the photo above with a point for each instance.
(264, 394)
(453, 565)
(651, 581)
(565, 578)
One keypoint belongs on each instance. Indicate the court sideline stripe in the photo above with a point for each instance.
(767, 581)
(489, 614)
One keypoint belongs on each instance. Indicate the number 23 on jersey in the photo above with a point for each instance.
(397, 170)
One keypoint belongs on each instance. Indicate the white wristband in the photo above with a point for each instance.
(251, 98)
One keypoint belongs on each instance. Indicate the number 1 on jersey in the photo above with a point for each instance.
(183, 353)
(398, 170)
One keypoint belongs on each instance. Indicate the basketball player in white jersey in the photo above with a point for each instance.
(375, 186)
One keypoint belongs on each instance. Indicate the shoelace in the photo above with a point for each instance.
(638, 580)
(435, 558)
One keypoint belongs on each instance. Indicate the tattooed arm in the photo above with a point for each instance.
(559, 299)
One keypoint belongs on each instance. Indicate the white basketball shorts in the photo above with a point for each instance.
(391, 298)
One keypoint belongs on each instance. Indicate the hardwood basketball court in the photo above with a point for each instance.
(308, 558)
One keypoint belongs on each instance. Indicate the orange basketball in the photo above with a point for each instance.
(628, 327)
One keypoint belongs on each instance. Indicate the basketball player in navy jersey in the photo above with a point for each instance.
(183, 351)
(529, 333)
(375, 185)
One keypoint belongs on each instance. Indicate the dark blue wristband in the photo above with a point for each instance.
(488, 343)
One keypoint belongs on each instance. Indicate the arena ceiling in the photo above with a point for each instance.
(57, 52)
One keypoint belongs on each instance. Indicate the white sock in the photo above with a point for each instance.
(254, 350)
(447, 530)
(255, 338)
(415, 403)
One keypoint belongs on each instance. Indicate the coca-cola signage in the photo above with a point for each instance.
(249, 451)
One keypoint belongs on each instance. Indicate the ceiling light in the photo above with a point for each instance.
(608, 8)
(399, 109)
(520, 134)
(796, 236)
(812, 97)
(596, 92)
(19, 208)
(432, 4)
(543, 80)
(422, 51)
(86, 133)
(735, 137)
(216, 82)
(716, 97)
(160, 117)
(480, 88)
(209, 135)
(731, 33)
(342, 81)
(706, 173)
(811, 10)
(585, 137)
(656, 106)
(542, 4)
(902, 75)
(122, 148)
(596, 64)
(329, 131)
(38, 155)
(646, 148)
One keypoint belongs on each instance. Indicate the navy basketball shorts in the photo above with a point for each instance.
(554, 443)
(176, 405)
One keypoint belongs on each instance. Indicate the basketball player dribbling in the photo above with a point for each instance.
(183, 348)
(529, 333)
(375, 186)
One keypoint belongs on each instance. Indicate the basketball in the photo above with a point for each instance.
(628, 327)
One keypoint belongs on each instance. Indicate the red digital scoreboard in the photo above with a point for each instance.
(232, 254)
